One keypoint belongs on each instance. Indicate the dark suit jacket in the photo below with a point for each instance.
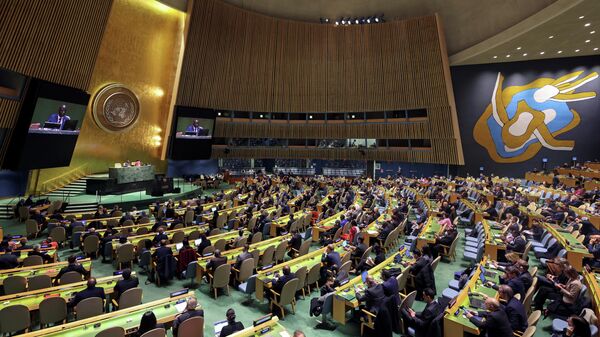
(161, 252)
(526, 279)
(518, 245)
(124, 285)
(8, 261)
(183, 317)
(332, 259)
(296, 241)
(215, 262)
(229, 329)
(281, 281)
(205, 243)
(515, 311)
(88, 293)
(424, 318)
(159, 237)
(45, 257)
(241, 258)
(373, 297)
(495, 323)
(72, 267)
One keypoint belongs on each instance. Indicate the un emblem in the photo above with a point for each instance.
(116, 108)
(520, 120)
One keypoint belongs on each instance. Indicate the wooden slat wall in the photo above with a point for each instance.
(240, 60)
(55, 40)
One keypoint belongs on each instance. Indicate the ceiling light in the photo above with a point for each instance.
(518, 48)
(592, 32)
(588, 41)
(495, 57)
(507, 55)
(559, 52)
(542, 52)
(337, 23)
(581, 17)
(551, 36)
(577, 50)
(524, 54)
(587, 24)
(595, 48)
(310, 117)
(218, 114)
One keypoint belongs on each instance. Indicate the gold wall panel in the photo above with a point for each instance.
(140, 49)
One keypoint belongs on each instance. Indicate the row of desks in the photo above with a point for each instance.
(50, 269)
(455, 322)
(576, 251)
(265, 277)
(345, 295)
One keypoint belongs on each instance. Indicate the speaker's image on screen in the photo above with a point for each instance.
(194, 128)
(56, 117)
(48, 126)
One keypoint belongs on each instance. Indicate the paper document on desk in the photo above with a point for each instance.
(180, 306)
(284, 334)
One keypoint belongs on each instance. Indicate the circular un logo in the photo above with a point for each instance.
(116, 108)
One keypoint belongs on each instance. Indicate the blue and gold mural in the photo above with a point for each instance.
(512, 115)
(522, 119)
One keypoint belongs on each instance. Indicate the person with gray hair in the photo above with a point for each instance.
(494, 321)
(37, 250)
(189, 312)
(299, 333)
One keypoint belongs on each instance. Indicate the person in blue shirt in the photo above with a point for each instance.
(60, 117)
(194, 127)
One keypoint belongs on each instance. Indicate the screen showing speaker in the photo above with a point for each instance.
(48, 126)
(191, 133)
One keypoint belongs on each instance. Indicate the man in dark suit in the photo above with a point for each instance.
(72, 266)
(444, 240)
(421, 321)
(524, 274)
(204, 243)
(215, 262)
(160, 236)
(294, 243)
(232, 326)
(162, 251)
(331, 261)
(37, 250)
(373, 296)
(280, 281)
(511, 278)
(190, 311)
(495, 322)
(89, 292)
(359, 249)
(515, 311)
(245, 255)
(8, 260)
(60, 117)
(125, 284)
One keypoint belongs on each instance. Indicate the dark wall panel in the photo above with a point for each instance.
(546, 109)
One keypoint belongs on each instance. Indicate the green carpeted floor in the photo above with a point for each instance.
(215, 309)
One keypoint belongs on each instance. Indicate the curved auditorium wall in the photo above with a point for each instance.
(240, 60)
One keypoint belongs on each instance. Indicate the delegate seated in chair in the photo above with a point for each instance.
(279, 281)
(72, 266)
(421, 321)
(90, 291)
(215, 262)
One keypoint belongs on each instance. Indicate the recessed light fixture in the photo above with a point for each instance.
(581, 17)
(592, 32)
(542, 52)
(559, 52)
(588, 41)
(587, 24)
(551, 36)
(310, 117)
(507, 55)
(595, 48)
(518, 48)
(495, 56)
(524, 54)
(577, 50)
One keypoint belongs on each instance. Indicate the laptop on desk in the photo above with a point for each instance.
(50, 125)
(71, 125)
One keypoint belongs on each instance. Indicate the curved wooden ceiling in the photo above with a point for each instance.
(466, 22)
